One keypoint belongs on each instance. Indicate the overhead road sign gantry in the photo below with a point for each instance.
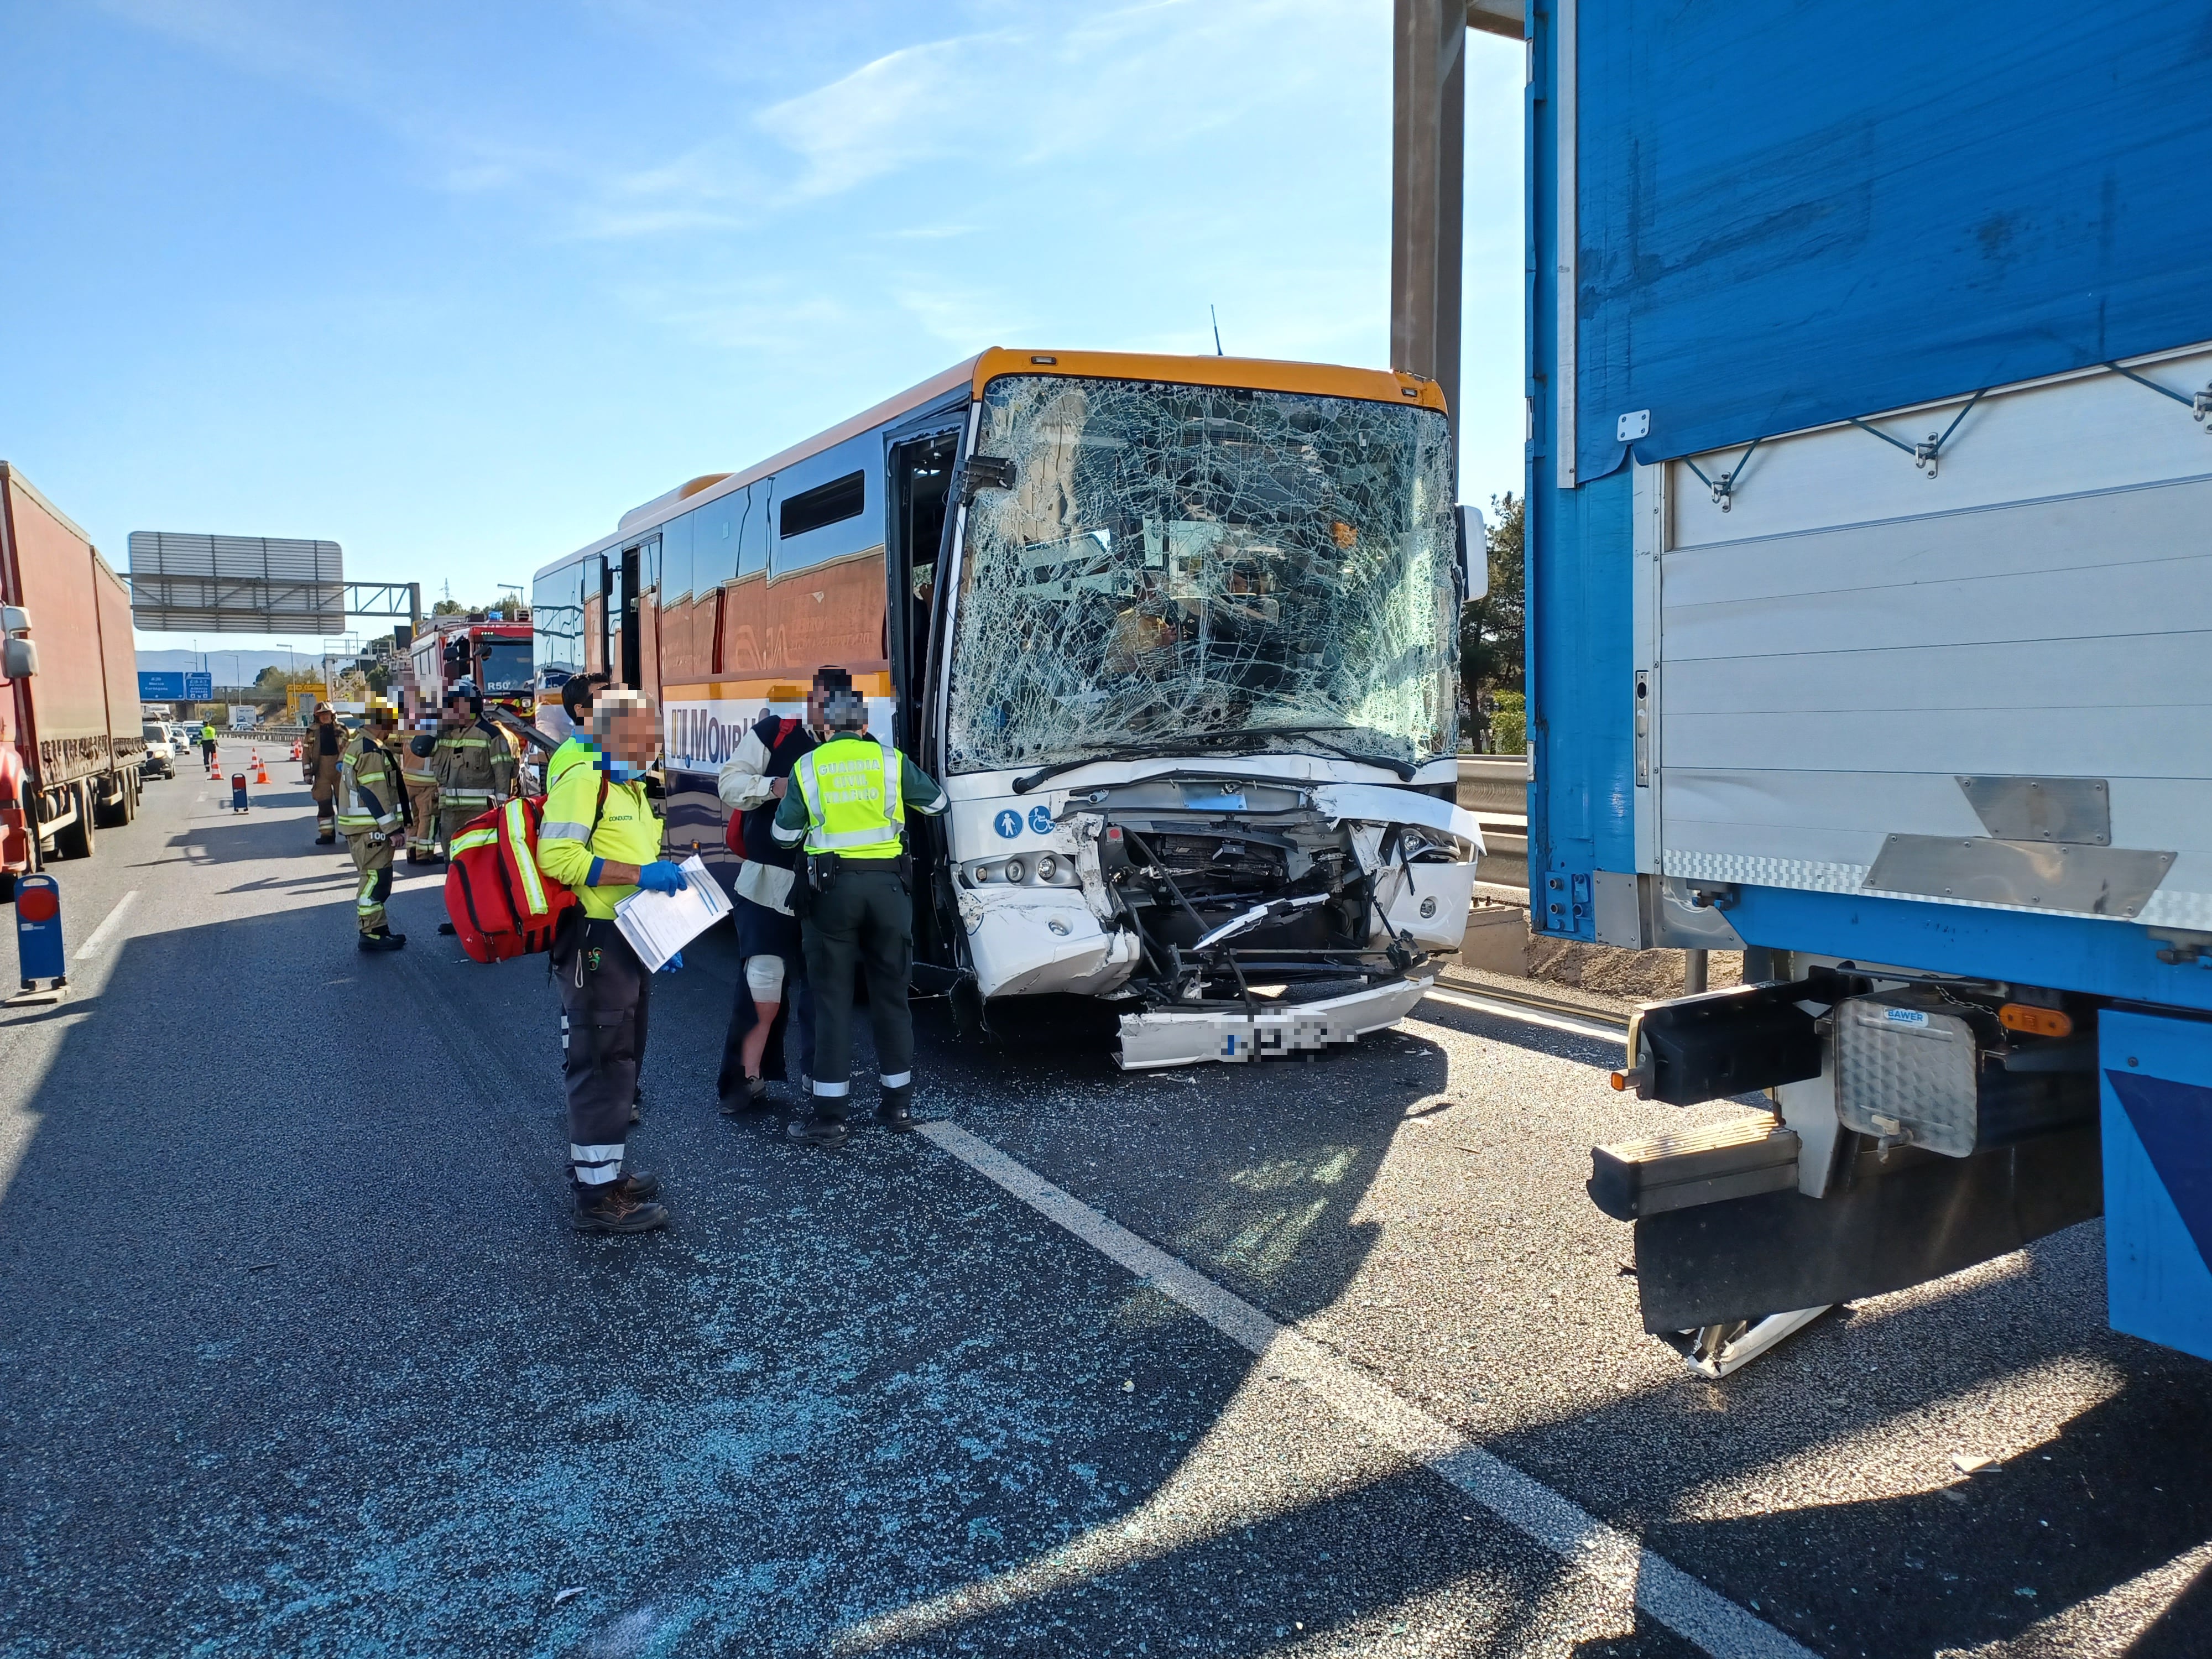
(194, 583)
(185, 583)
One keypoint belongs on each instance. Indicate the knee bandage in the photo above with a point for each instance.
(765, 978)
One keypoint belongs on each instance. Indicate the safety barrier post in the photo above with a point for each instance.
(39, 941)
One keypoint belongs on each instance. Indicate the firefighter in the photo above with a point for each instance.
(472, 761)
(319, 767)
(415, 749)
(848, 805)
(371, 800)
(774, 980)
(600, 839)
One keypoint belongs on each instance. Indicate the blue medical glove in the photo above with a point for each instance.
(661, 876)
(672, 963)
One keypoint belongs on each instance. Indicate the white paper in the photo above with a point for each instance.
(659, 925)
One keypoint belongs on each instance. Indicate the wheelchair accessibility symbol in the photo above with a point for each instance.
(1008, 824)
(1041, 819)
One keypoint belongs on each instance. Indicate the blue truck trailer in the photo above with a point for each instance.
(1870, 553)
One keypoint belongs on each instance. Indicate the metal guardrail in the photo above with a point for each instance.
(1495, 789)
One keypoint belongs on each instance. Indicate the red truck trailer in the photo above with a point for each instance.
(71, 741)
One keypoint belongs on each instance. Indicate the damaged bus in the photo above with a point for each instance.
(1178, 634)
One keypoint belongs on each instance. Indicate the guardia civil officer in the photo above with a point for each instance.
(600, 839)
(847, 807)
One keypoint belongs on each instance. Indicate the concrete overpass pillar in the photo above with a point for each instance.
(1428, 142)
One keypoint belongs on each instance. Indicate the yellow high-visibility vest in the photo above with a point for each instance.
(853, 807)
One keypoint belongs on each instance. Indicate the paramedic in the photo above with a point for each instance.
(600, 839)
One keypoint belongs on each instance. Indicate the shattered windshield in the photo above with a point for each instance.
(1195, 563)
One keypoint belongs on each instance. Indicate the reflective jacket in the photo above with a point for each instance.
(579, 830)
(372, 794)
(850, 797)
(575, 752)
(474, 767)
(420, 770)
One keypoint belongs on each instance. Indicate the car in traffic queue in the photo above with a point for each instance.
(160, 760)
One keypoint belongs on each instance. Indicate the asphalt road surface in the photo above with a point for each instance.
(300, 1356)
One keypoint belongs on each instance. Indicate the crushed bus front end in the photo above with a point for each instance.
(1200, 685)
(1236, 916)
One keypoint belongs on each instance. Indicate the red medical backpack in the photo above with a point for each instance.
(502, 904)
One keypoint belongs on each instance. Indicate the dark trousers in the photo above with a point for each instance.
(865, 920)
(606, 994)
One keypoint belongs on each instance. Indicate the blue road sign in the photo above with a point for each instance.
(38, 927)
(174, 685)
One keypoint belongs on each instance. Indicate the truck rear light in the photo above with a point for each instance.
(2036, 1022)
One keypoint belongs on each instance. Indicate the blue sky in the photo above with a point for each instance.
(456, 286)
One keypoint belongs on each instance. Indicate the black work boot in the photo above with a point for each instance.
(328, 837)
(638, 1185)
(383, 939)
(895, 1110)
(750, 1101)
(818, 1130)
(447, 928)
(612, 1210)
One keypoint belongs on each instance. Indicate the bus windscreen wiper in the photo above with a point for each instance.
(1165, 749)
(1405, 770)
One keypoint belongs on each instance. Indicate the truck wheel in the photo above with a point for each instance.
(75, 840)
(109, 812)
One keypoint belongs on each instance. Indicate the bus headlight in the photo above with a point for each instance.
(1015, 872)
(1045, 866)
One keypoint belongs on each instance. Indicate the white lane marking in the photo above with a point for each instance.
(1691, 1608)
(100, 934)
(1499, 1006)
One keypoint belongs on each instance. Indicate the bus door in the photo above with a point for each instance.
(596, 590)
(626, 612)
(920, 495)
(636, 644)
(921, 474)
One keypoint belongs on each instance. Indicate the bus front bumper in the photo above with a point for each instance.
(1178, 1037)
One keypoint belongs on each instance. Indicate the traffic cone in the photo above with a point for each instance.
(295, 751)
(260, 772)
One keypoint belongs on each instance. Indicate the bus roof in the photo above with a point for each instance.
(1253, 373)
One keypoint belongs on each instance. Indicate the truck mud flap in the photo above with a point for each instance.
(1886, 1228)
(1180, 1037)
